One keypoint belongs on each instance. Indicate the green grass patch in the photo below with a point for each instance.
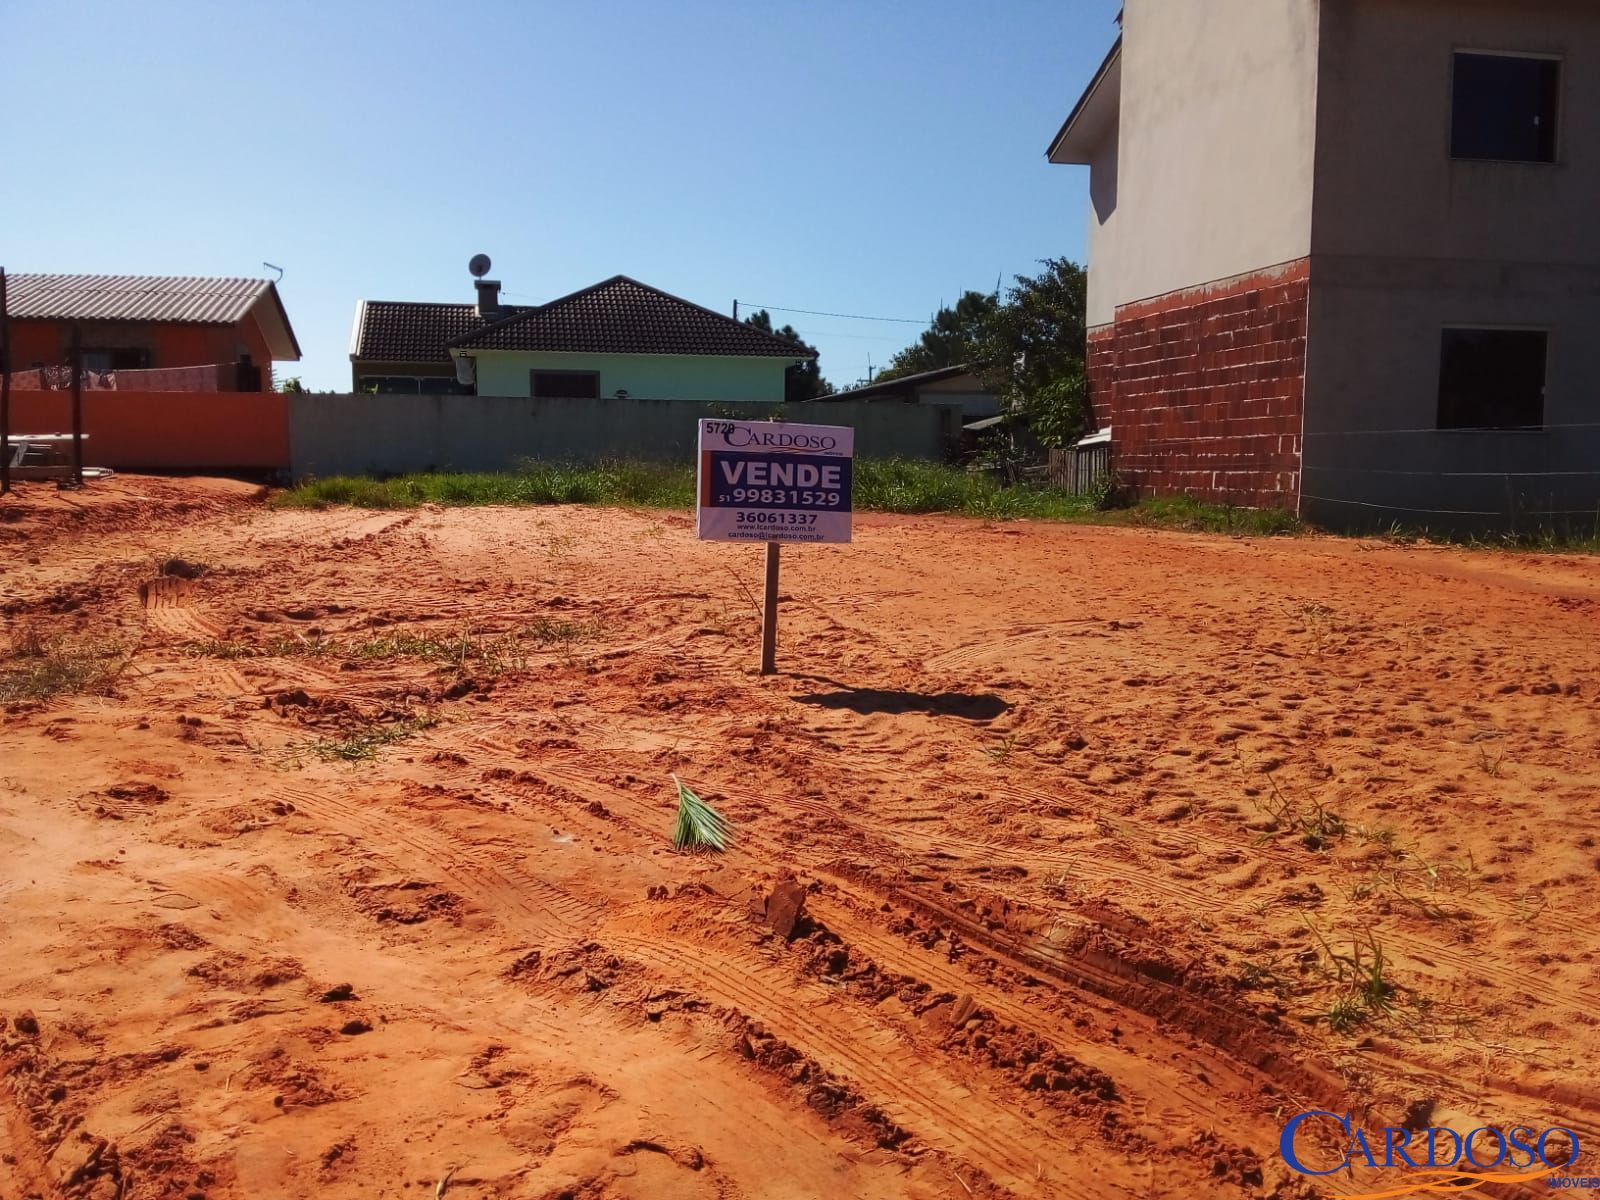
(1569, 537)
(42, 669)
(460, 651)
(363, 743)
(282, 646)
(1185, 512)
(647, 485)
(881, 485)
(903, 486)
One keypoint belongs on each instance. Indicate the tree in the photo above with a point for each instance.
(803, 382)
(954, 337)
(1033, 352)
(1028, 347)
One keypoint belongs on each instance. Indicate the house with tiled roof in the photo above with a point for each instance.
(618, 337)
(161, 331)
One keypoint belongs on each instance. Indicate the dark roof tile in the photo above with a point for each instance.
(623, 316)
(403, 331)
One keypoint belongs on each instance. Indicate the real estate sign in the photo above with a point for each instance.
(766, 481)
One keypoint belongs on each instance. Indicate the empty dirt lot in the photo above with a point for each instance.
(357, 879)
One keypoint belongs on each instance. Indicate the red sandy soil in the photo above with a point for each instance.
(1052, 792)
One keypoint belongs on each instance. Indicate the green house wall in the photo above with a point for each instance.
(642, 376)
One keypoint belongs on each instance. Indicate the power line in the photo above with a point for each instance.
(1515, 429)
(843, 316)
(1456, 474)
(1439, 512)
(1456, 512)
(854, 337)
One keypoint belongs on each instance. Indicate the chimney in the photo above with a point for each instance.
(488, 297)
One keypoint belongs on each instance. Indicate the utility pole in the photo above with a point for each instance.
(5, 389)
(77, 406)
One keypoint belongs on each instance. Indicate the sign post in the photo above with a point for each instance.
(769, 614)
(766, 481)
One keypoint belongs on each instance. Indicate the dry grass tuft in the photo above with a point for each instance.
(39, 668)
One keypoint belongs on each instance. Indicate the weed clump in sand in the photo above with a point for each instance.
(364, 741)
(460, 651)
(39, 668)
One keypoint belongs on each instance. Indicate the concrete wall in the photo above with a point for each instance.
(358, 434)
(167, 431)
(656, 376)
(1216, 145)
(1385, 182)
(1108, 275)
(1373, 454)
(1407, 241)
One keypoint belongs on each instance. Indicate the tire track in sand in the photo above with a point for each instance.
(1152, 1082)
(1004, 1144)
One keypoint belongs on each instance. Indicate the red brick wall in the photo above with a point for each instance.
(1101, 366)
(1208, 390)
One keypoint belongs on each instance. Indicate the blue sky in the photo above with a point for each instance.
(867, 158)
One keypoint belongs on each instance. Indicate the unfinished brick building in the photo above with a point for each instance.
(1340, 259)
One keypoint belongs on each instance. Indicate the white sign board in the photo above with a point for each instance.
(767, 481)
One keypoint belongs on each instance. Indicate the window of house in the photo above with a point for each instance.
(391, 385)
(443, 385)
(1505, 107)
(565, 385)
(1492, 378)
(117, 358)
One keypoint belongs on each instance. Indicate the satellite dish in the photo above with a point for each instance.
(479, 266)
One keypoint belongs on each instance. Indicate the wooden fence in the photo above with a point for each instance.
(1079, 468)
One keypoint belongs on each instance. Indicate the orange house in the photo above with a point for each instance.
(152, 323)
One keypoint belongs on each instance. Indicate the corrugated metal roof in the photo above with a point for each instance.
(187, 299)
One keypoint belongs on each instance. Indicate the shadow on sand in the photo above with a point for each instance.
(967, 706)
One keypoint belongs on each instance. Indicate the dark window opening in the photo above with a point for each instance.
(565, 385)
(116, 358)
(391, 385)
(1505, 108)
(1492, 378)
(443, 385)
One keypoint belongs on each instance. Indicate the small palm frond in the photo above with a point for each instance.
(700, 827)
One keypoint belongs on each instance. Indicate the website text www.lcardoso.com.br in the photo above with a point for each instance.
(1402, 1161)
